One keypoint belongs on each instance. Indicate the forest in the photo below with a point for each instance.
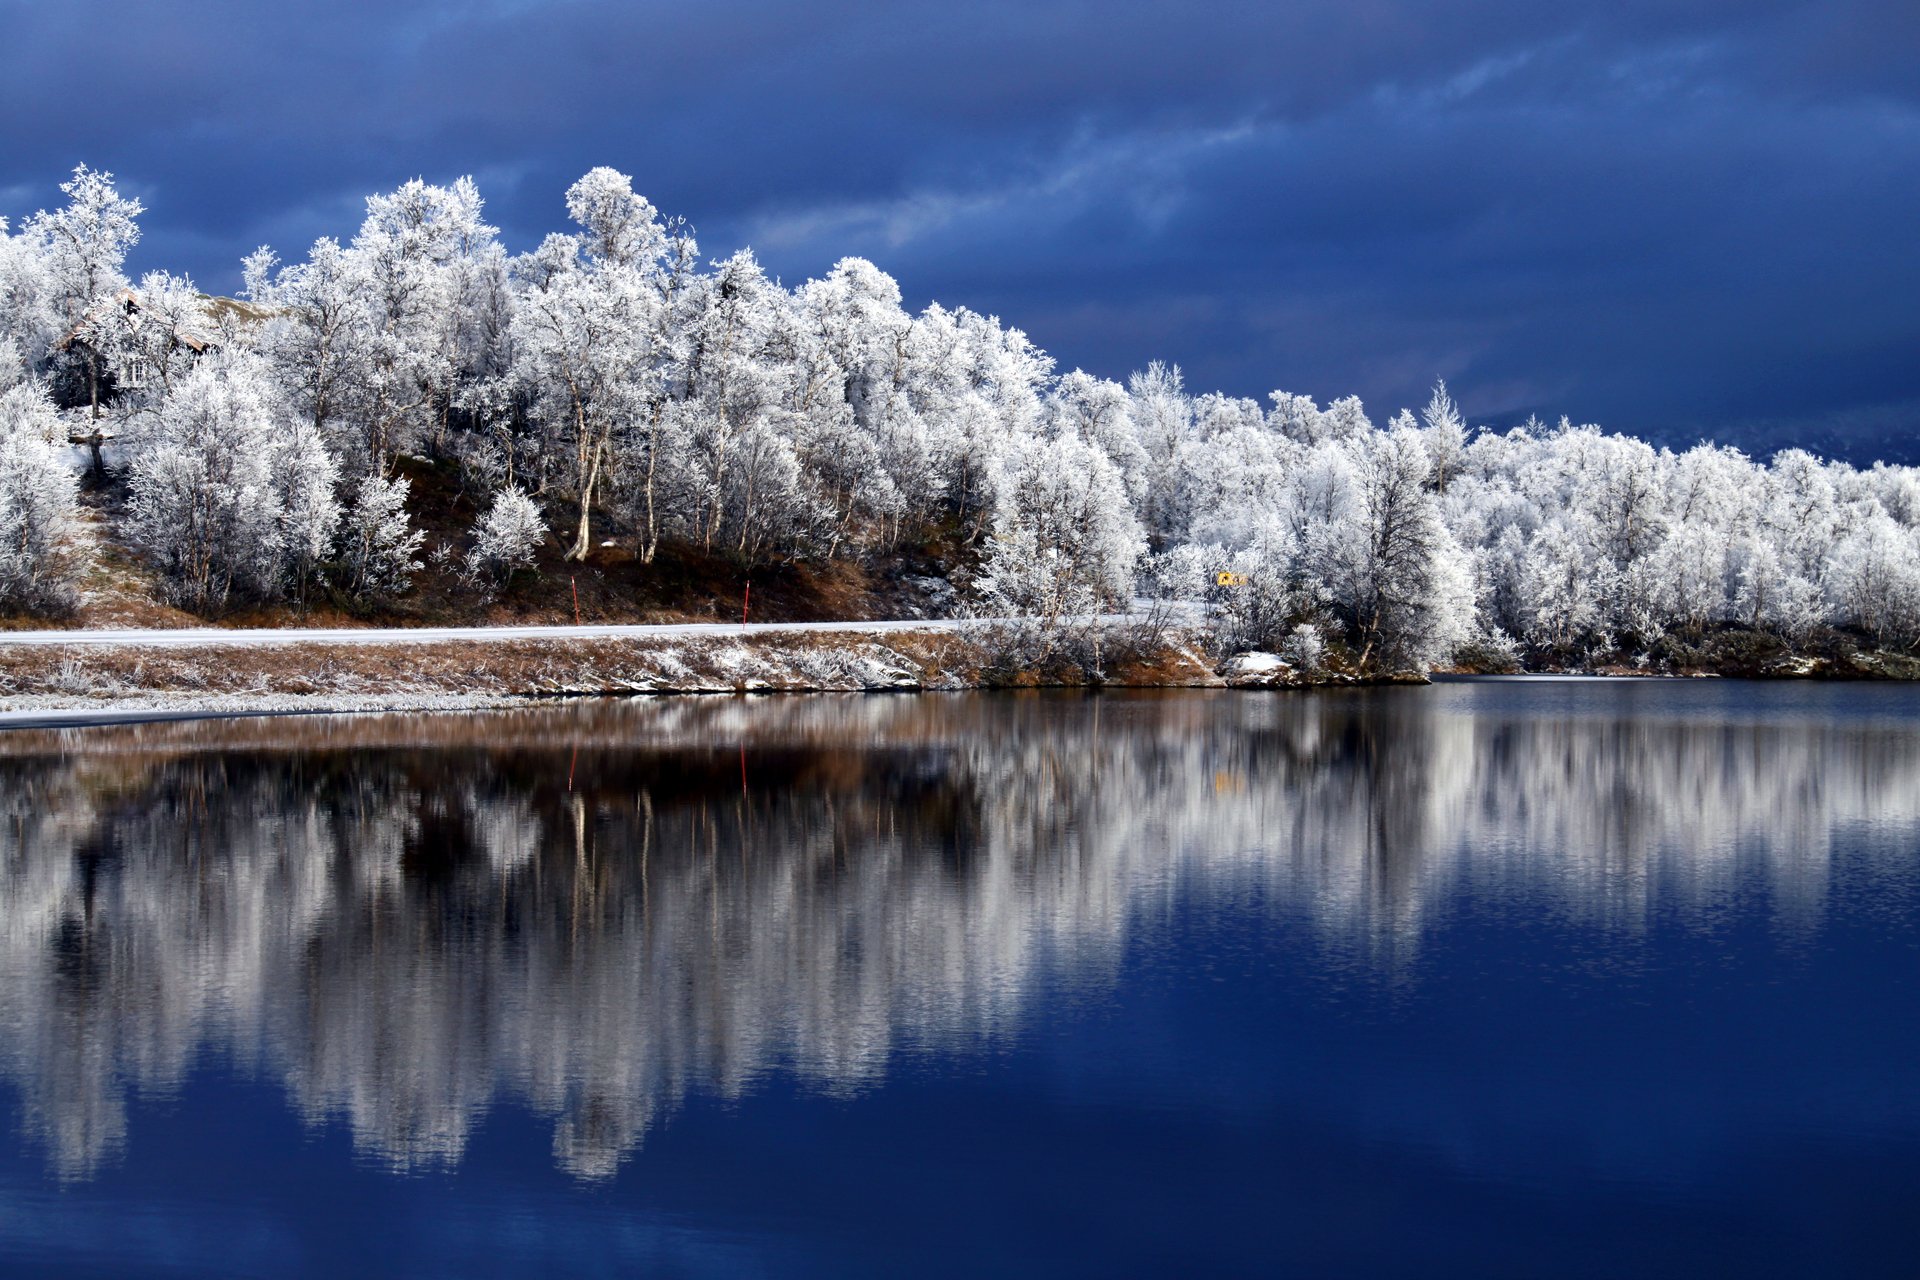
(418, 403)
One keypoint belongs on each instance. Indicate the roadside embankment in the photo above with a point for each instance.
(408, 674)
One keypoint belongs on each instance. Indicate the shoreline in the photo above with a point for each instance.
(43, 681)
(48, 684)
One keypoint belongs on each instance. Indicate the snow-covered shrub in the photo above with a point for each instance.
(1304, 649)
(506, 537)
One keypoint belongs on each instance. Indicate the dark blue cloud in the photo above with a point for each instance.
(1680, 217)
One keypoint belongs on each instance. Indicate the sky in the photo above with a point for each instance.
(1684, 219)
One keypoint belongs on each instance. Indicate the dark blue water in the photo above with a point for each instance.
(1491, 979)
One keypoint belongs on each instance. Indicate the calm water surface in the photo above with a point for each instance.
(1488, 979)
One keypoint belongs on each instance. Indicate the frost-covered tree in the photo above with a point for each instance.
(1876, 580)
(84, 247)
(379, 544)
(1065, 541)
(319, 339)
(740, 459)
(399, 264)
(1444, 432)
(864, 353)
(38, 559)
(1100, 413)
(1162, 416)
(589, 335)
(29, 320)
(1394, 576)
(201, 490)
(305, 479)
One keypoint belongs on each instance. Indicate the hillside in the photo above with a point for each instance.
(415, 426)
(122, 588)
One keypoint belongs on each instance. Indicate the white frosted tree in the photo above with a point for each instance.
(589, 335)
(305, 480)
(1391, 580)
(394, 265)
(379, 544)
(1162, 417)
(38, 558)
(84, 247)
(1101, 413)
(862, 355)
(29, 322)
(319, 337)
(200, 486)
(1876, 580)
(1444, 433)
(730, 386)
(1065, 541)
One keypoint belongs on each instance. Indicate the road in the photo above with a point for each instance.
(1180, 612)
(216, 637)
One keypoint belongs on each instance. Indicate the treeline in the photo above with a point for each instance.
(614, 386)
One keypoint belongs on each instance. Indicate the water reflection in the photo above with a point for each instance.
(595, 909)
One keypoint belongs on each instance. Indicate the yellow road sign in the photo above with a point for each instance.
(1225, 579)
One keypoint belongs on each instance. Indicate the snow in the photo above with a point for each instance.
(1256, 670)
(214, 637)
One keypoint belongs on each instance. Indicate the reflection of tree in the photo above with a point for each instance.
(598, 908)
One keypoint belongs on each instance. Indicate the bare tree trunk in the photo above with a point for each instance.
(583, 540)
(652, 541)
(746, 512)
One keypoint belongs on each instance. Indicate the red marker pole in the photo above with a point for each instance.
(576, 598)
(745, 600)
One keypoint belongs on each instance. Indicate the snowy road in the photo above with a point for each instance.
(1178, 612)
(215, 637)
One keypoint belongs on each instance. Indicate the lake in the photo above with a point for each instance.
(1491, 978)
